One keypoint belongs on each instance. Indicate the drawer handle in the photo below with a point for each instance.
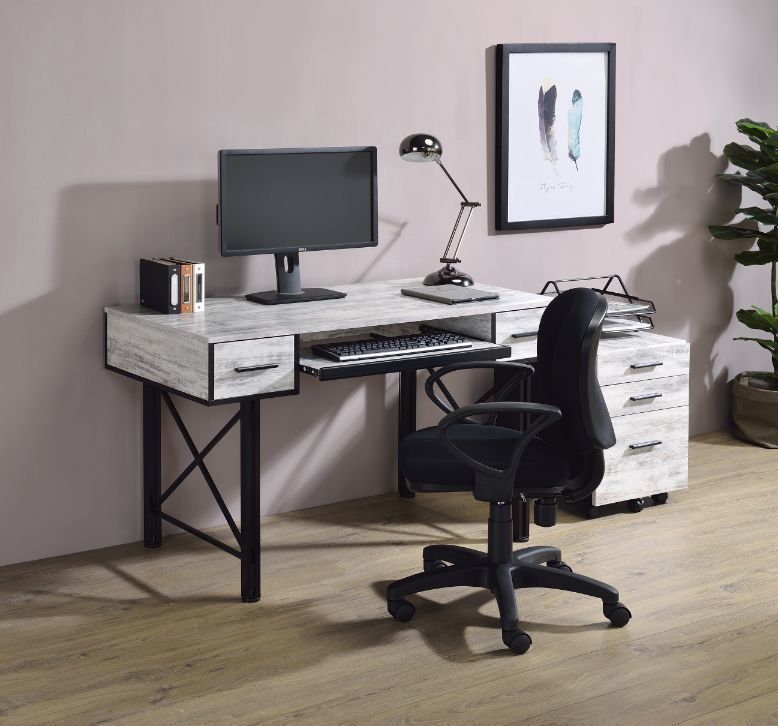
(644, 396)
(645, 444)
(261, 367)
(652, 364)
(528, 334)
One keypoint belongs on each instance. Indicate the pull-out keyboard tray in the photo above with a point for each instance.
(330, 370)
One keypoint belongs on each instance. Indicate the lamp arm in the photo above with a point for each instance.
(458, 233)
(455, 259)
(451, 179)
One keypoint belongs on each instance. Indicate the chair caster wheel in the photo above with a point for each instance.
(401, 610)
(517, 640)
(559, 565)
(635, 505)
(660, 498)
(430, 565)
(617, 613)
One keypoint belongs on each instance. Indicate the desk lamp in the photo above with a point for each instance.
(425, 147)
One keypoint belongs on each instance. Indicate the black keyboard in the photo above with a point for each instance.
(430, 340)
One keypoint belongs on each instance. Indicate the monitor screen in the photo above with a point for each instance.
(289, 200)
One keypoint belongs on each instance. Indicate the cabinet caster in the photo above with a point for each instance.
(660, 498)
(400, 610)
(517, 640)
(636, 505)
(617, 613)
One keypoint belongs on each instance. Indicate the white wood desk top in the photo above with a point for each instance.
(366, 304)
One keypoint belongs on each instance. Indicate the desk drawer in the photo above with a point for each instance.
(636, 468)
(652, 395)
(617, 363)
(253, 367)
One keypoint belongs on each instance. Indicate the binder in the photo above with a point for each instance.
(198, 271)
(185, 270)
(192, 284)
(160, 285)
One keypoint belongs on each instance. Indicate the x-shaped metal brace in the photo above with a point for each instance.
(198, 461)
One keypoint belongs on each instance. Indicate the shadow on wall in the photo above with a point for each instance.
(71, 432)
(689, 276)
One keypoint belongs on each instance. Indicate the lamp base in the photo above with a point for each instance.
(448, 275)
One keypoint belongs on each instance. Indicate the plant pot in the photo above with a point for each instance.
(755, 408)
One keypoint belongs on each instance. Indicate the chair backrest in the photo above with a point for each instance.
(566, 375)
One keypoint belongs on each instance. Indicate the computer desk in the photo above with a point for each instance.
(240, 352)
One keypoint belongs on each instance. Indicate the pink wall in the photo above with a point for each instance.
(110, 119)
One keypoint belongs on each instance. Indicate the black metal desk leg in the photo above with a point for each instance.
(152, 466)
(407, 422)
(249, 501)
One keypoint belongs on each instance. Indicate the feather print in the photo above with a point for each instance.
(546, 116)
(574, 127)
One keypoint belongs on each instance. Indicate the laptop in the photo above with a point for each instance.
(449, 294)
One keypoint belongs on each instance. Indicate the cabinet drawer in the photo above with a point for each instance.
(252, 367)
(517, 322)
(618, 363)
(634, 467)
(649, 395)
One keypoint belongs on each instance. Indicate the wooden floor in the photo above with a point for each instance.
(130, 636)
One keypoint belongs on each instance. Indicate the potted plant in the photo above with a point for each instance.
(755, 394)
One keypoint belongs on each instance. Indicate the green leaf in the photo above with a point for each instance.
(770, 345)
(766, 173)
(768, 242)
(770, 144)
(756, 258)
(772, 197)
(729, 231)
(746, 157)
(757, 131)
(738, 178)
(758, 319)
(764, 216)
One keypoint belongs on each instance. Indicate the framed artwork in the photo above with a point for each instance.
(555, 135)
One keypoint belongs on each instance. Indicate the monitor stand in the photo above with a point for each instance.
(288, 283)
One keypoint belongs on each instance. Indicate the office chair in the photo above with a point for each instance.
(557, 454)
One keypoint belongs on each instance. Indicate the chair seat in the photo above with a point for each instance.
(429, 466)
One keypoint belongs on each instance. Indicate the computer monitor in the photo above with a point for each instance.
(286, 201)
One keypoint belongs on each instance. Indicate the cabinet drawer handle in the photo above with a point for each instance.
(651, 364)
(261, 367)
(528, 334)
(644, 396)
(645, 444)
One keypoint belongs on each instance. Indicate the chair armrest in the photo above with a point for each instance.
(522, 372)
(545, 416)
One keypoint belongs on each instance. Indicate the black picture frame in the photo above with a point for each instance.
(514, 164)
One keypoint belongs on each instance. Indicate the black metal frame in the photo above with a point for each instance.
(247, 537)
(504, 52)
(406, 422)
